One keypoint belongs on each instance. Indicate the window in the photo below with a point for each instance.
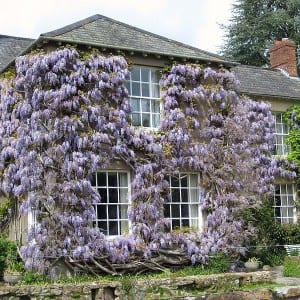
(144, 93)
(111, 212)
(284, 203)
(281, 133)
(183, 209)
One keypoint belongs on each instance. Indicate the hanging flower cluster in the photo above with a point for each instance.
(64, 118)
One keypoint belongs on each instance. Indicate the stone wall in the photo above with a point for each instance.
(167, 288)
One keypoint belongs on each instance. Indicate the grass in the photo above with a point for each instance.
(291, 266)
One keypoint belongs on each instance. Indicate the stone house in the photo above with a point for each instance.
(149, 53)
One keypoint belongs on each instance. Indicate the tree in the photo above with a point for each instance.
(256, 24)
(66, 116)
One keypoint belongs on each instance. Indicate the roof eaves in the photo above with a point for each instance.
(216, 60)
(297, 99)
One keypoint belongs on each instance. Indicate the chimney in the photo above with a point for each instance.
(283, 56)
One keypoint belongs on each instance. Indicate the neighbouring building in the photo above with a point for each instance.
(149, 53)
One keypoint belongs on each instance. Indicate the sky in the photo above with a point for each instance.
(194, 22)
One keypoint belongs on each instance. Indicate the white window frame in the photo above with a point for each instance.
(281, 133)
(122, 223)
(139, 98)
(194, 220)
(283, 203)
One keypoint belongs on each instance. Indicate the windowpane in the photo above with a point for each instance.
(184, 210)
(193, 180)
(101, 212)
(101, 179)
(179, 210)
(155, 90)
(135, 104)
(174, 181)
(103, 227)
(145, 74)
(175, 211)
(167, 211)
(113, 228)
(113, 195)
(146, 120)
(175, 223)
(184, 181)
(284, 203)
(144, 83)
(155, 76)
(175, 195)
(281, 133)
(136, 89)
(111, 212)
(123, 181)
(155, 120)
(135, 74)
(185, 223)
(155, 106)
(127, 85)
(145, 90)
(184, 195)
(145, 105)
(136, 119)
(112, 179)
(103, 195)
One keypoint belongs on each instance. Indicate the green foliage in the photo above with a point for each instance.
(291, 234)
(219, 263)
(266, 245)
(4, 207)
(30, 278)
(253, 259)
(292, 117)
(3, 254)
(291, 267)
(13, 261)
(256, 24)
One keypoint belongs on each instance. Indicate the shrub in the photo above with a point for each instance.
(219, 263)
(4, 246)
(291, 234)
(269, 238)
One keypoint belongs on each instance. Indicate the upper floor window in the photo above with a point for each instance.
(284, 208)
(183, 209)
(281, 133)
(111, 212)
(144, 93)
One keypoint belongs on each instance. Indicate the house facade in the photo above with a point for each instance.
(148, 54)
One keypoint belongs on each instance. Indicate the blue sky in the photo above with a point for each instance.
(195, 22)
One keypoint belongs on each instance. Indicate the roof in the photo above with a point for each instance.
(101, 31)
(266, 82)
(10, 48)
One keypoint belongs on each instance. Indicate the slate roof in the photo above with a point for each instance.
(101, 31)
(11, 47)
(265, 82)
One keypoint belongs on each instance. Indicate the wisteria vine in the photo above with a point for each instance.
(63, 118)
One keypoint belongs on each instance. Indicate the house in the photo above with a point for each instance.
(280, 86)
(148, 54)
